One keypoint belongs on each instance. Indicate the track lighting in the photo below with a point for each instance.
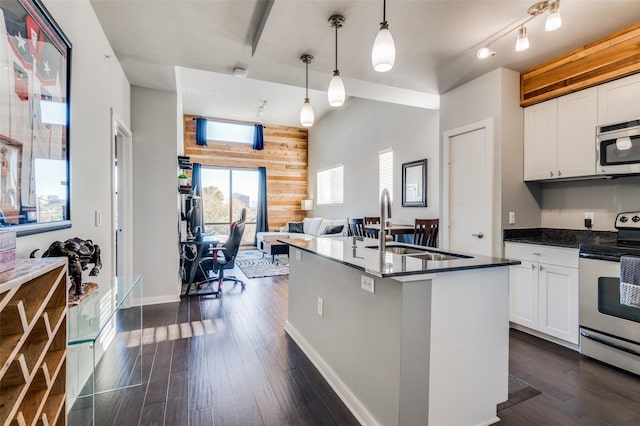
(485, 52)
(336, 93)
(383, 54)
(306, 113)
(554, 21)
(522, 42)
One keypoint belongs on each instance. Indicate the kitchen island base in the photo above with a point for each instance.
(421, 350)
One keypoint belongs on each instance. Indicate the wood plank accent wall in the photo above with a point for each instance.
(614, 56)
(284, 155)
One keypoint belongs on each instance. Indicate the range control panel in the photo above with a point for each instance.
(628, 220)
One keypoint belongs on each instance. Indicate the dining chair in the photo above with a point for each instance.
(371, 220)
(425, 232)
(356, 227)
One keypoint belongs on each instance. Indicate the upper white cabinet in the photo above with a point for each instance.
(618, 100)
(559, 138)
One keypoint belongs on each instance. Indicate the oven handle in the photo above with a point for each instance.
(609, 257)
(604, 342)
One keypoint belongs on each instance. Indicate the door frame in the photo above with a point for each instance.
(125, 195)
(488, 125)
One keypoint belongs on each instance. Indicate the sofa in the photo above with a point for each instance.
(310, 227)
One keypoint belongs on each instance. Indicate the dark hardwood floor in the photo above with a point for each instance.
(229, 362)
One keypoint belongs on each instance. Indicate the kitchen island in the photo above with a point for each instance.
(402, 339)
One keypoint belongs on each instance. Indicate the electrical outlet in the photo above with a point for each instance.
(366, 283)
(298, 255)
(320, 306)
(512, 218)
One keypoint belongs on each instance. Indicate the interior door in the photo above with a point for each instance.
(469, 189)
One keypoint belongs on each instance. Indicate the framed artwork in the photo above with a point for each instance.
(414, 184)
(35, 65)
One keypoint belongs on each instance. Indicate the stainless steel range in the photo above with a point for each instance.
(609, 331)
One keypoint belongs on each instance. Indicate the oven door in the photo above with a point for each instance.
(600, 308)
(618, 152)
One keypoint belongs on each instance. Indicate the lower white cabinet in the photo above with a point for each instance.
(543, 289)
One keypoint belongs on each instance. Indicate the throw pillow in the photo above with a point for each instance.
(336, 229)
(296, 227)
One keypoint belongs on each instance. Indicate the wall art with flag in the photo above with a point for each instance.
(35, 65)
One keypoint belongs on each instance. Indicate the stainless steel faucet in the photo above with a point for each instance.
(382, 246)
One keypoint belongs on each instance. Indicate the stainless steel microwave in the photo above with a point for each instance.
(618, 148)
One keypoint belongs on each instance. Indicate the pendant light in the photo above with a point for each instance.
(554, 21)
(336, 86)
(383, 54)
(522, 42)
(306, 113)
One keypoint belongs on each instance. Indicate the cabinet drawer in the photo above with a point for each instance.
(543, 254)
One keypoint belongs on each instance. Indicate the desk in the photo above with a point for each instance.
(107, 317)
(394, 230)
(201, 249)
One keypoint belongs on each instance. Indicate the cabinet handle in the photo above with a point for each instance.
(550, 174)
(541, 268)
(559, 173)
(536, 254)
(533, 267)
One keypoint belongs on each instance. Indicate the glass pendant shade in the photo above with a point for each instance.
(306, 114)
(522, 42)
(383, 54)
(336, 92)
(554, 21)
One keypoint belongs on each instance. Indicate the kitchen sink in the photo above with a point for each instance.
(419, 253)
(402, 250)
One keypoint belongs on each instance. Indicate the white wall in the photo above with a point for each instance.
(353, 135)
(155, 183)
(98, 84)
(496, 95)
(564, 203)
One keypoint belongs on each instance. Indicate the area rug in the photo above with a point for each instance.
(254, 265)
(519, 391)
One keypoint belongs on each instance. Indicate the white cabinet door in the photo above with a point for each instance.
(558, 302)
(540, 137)
(618, 100)
(576, 149)
(523, 294)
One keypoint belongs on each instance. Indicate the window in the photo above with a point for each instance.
(223, 131)
(385, 171)
(224, 193)
(331, 185)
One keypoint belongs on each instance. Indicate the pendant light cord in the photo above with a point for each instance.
(336, 70)
(306, 65)
(384, 11)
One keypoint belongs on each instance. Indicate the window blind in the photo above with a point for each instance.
(385, 171)
(330, 184)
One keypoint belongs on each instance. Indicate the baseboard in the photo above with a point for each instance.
(491, 421)
(161, 299)
(544, 336)
(354, 405)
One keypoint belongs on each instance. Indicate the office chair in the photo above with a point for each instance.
(224, 256)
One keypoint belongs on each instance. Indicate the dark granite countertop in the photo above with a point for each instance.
(571, 238)
(389, 265)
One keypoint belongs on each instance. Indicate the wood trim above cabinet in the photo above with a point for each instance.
(612, 57)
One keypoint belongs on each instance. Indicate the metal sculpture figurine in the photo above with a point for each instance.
(80, 253)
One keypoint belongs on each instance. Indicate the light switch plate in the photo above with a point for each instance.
(512, 218)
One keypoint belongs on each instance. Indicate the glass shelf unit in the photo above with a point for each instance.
(105, 342)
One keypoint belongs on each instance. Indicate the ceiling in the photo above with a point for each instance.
(192, 47)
